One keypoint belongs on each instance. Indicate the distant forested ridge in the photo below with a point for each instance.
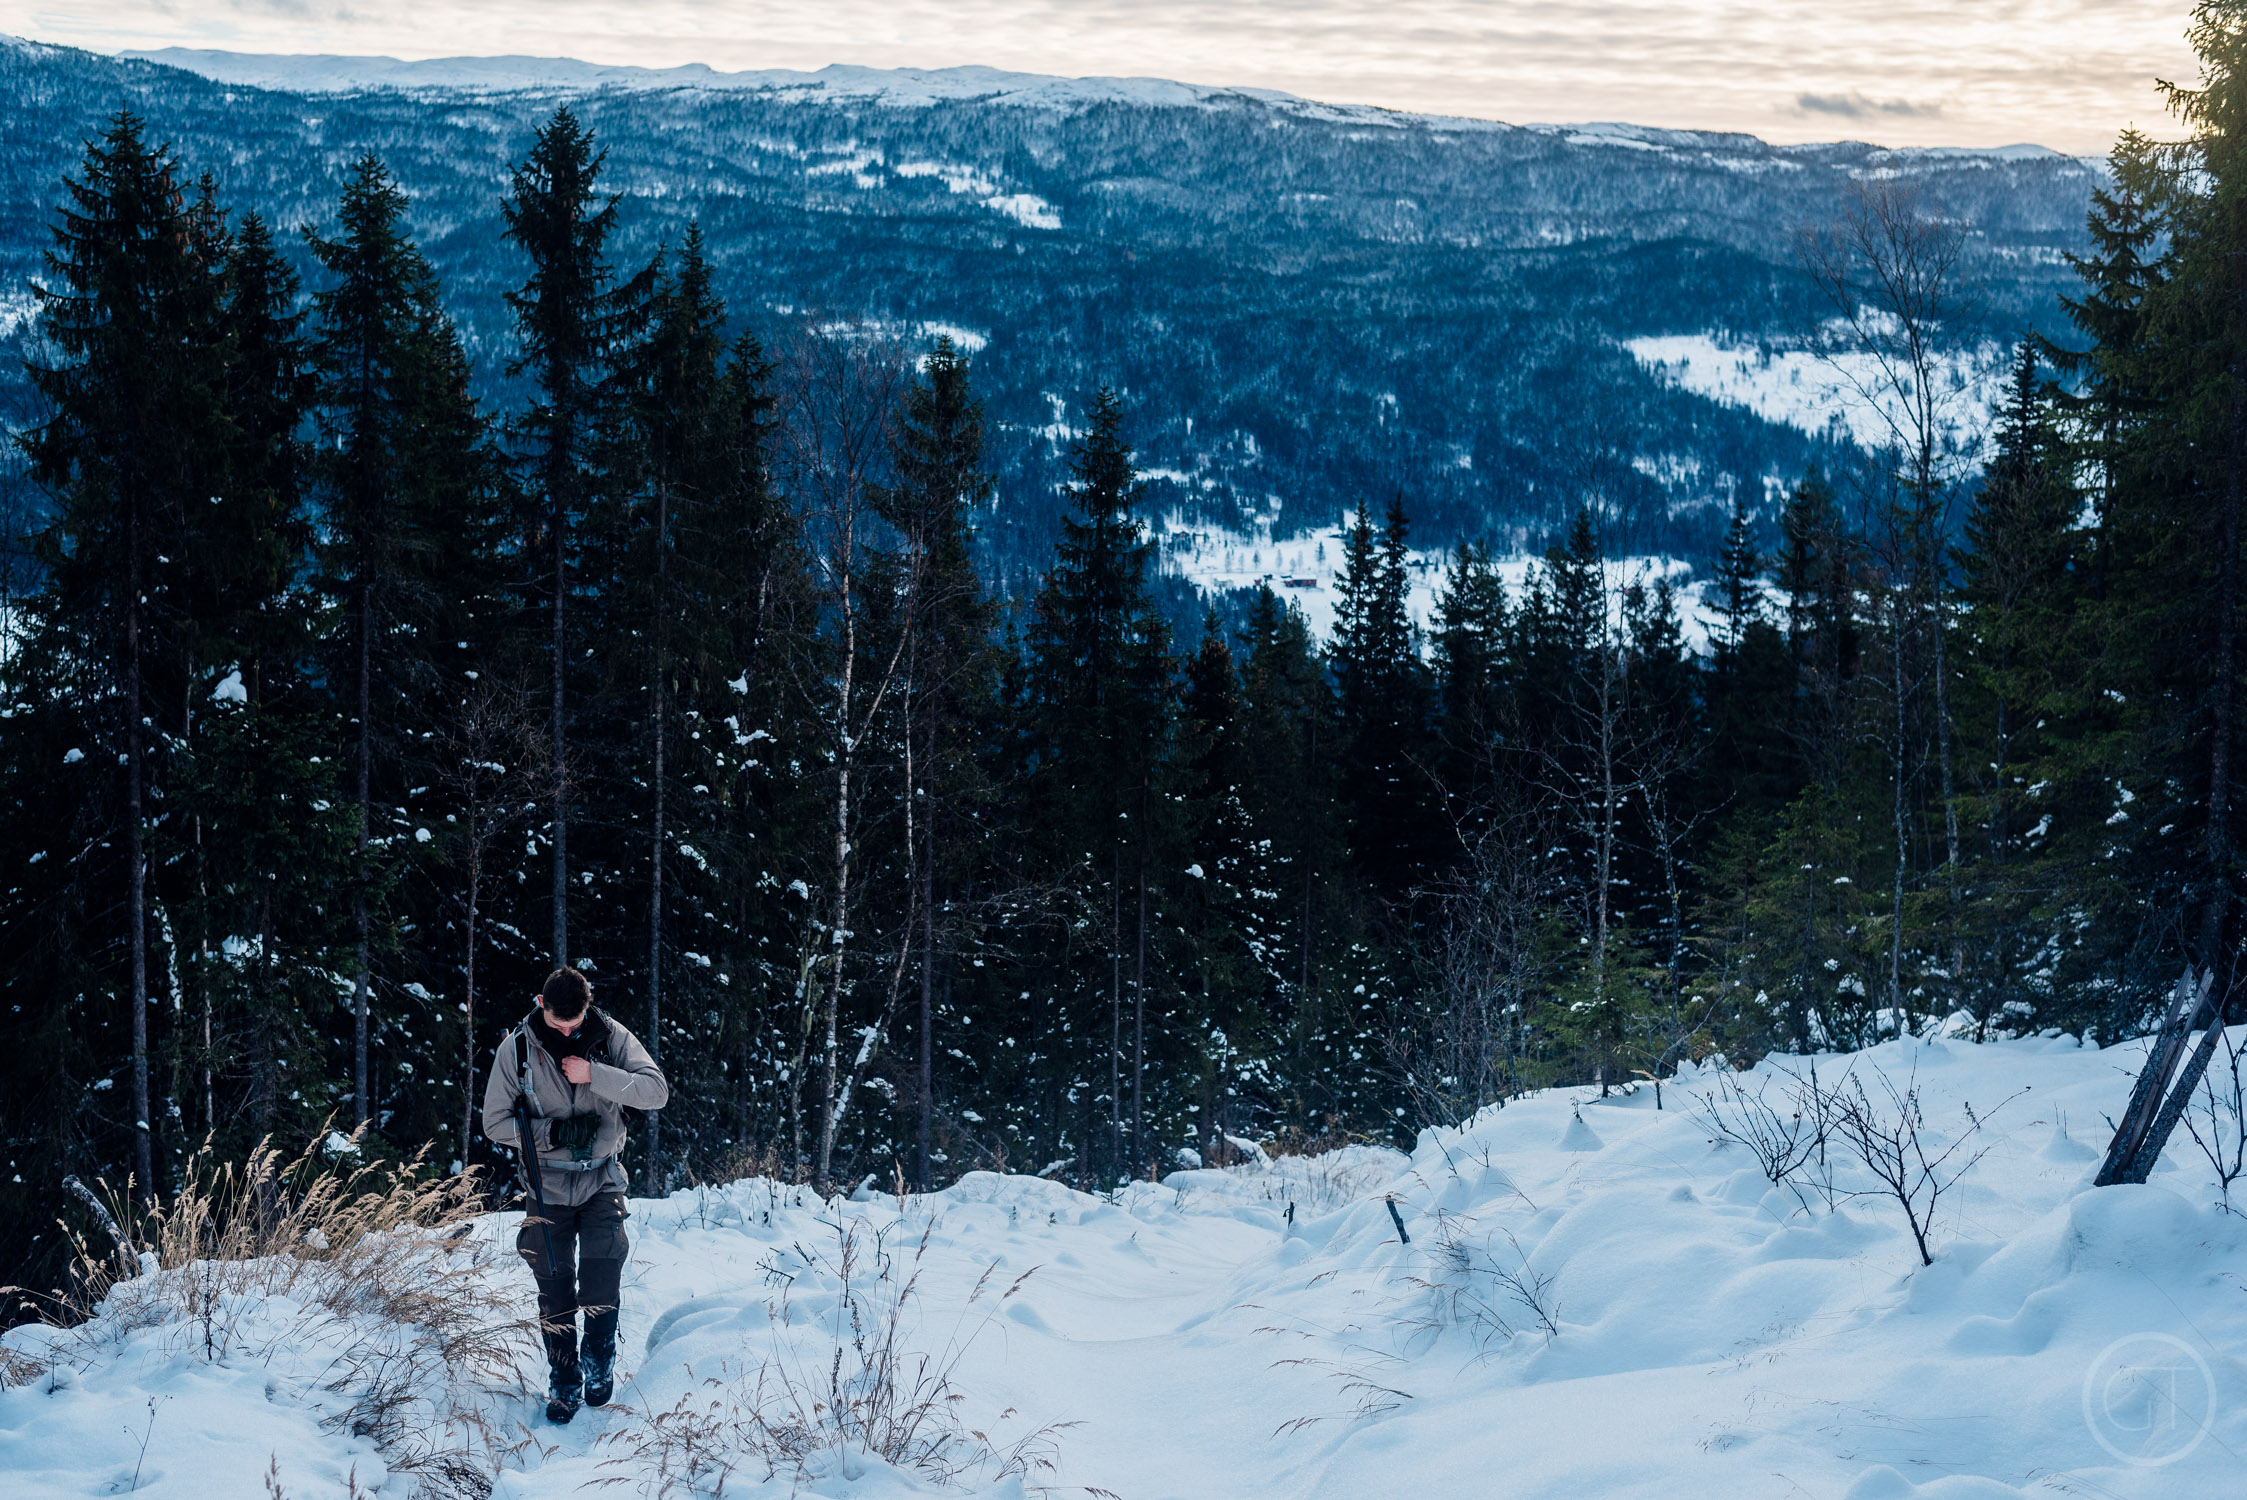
(1301, 304)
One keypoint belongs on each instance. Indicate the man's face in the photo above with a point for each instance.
(566, 1028)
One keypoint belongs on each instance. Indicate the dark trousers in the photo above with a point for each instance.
(589, 1250)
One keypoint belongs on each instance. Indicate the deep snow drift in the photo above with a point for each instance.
(1596, 1300)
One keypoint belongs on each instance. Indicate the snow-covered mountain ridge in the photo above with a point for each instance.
(919, 87)
(1585, 1296)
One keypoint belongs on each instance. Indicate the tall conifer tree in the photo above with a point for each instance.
(574, 323)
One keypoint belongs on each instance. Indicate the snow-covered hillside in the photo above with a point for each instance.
(1598, 1297)
(1816, 391)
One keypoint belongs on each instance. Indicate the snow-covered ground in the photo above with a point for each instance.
(1595, 1299)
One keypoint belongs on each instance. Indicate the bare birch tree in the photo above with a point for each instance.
(1903, 347)
(839, 395)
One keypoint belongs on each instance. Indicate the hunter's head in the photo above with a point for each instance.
(564, 997)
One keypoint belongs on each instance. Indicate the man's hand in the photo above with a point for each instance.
(577, 1070)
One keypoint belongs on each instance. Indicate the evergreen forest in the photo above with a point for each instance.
(340, 701)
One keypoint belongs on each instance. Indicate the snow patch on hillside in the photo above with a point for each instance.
(956, 178)
(1026, 209)
(1304, 569)
(1823, 395)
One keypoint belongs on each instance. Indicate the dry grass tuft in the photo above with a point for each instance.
(1492, 1294)
(854, 1389)
(372, 1265)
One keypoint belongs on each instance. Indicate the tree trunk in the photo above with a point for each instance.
(468, 1001)
(2149, 1093)
(838, 931)
(1115, 1009)
(265, 1083)
(840, 928)
(203, 978)
(1903, 842)
(136, 862)
(1603, 863)
(654, 1037)
(926, 1069)
(928, 979)
(2215, 917)
(362, 981)
(560, 653)
(1943, 764)
(1139, 1001)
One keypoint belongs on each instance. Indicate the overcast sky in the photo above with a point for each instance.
(2066, 73)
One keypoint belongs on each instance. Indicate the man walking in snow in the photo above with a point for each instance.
(567, 1074)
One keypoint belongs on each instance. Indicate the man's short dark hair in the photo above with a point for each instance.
(566, 994)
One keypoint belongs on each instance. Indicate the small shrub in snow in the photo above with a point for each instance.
(1788, 1137)
(2215, 1117)
(1912, 1166)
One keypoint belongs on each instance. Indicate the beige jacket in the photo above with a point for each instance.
(623, 1077)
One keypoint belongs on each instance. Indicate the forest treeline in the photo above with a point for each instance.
(337, 708)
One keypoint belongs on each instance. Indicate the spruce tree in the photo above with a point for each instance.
(2022, 568)
(574, 322)
(1291, 739)
(941, 483)
(1383, 693)
(366, 340)
(1749, 767)
(2174, 582)
(1099, 678)
(135, 441)
(1224, 908)
(668, 454)
(1475, 711)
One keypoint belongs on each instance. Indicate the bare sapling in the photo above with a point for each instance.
(1494, 1294)
(1912, 1165)
(2215, 1118)
(1788, 1138)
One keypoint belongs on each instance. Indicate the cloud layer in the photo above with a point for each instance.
(2066, 73)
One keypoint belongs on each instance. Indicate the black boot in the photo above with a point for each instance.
(597, 1357)
(564, 1389)
(561, 1401)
